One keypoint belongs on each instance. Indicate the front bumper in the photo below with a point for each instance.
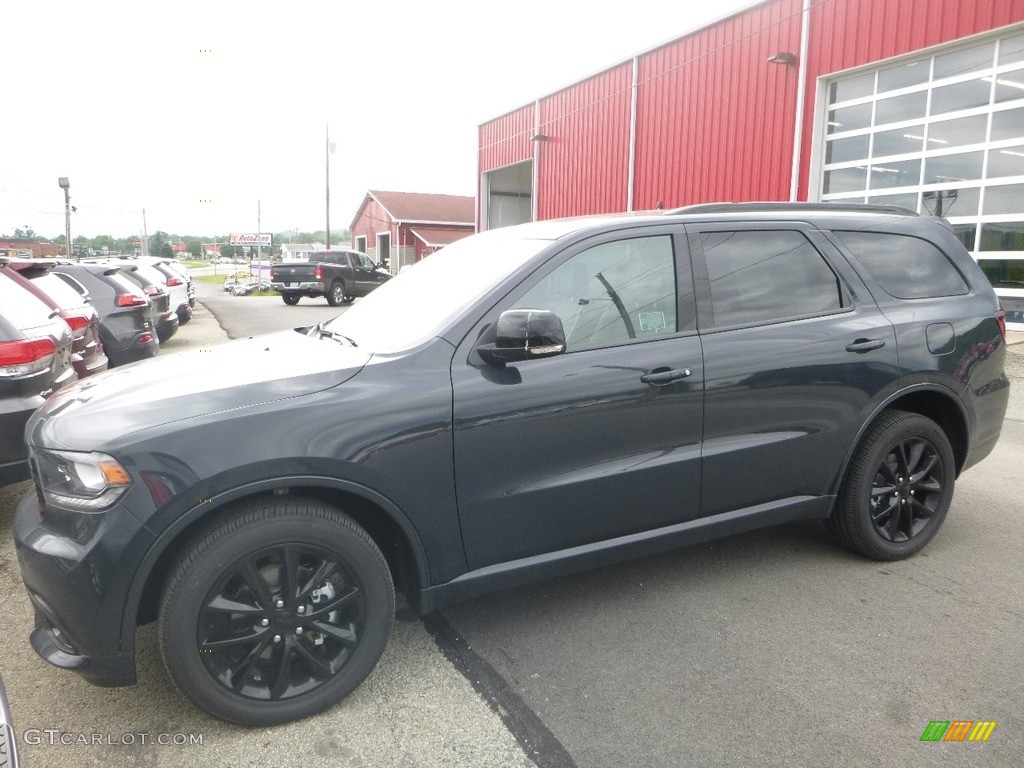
(77, 570)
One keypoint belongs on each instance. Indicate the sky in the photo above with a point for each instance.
(212, 116)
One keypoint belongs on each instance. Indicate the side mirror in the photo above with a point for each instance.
(524, 334)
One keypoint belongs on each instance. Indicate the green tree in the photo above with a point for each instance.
(160, 245)
(195, 247)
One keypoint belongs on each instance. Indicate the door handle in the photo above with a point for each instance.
(865, 345)
(659, 377)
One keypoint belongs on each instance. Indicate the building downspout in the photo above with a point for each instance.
(801, 98)
(536, 160)
(631, 172)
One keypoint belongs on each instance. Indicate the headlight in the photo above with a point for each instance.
(80, 482)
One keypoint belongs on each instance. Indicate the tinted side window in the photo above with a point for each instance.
(767, 276)
(905, 267)
(612, 292)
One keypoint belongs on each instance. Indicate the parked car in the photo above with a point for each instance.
(35, 361)
(8, 736)
(179, 287)
(526, 403)
(244, 289)
(182, 270)
(340, 275)
(126, 328)
(151, 281)
(87, 355)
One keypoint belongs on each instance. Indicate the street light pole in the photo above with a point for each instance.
(66, 186)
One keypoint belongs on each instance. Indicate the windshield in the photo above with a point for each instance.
(419, 303)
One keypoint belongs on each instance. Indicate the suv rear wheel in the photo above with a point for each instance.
(898, 488)
(276, 613)
(291, 299)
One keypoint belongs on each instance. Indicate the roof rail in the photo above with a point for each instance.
(837, 207)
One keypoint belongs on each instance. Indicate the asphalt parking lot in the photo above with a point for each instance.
(771, 648)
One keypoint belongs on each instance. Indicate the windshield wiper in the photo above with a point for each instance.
(322, 332)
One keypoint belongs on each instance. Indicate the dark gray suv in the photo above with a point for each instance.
(528, 402)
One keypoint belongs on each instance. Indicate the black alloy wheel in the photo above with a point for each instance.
(276, 613)
(898, 488)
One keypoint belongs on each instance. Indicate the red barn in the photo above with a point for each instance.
(917, 103)
(403, 227)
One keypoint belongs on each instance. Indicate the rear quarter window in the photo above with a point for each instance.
(905, 267)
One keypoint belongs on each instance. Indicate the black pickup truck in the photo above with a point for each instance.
(339, 275)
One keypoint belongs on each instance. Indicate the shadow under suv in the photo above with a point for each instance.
(529, 402)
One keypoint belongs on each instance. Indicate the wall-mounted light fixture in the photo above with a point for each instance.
(783, 57)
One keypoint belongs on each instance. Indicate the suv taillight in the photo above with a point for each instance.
(1001, 319)
(153, 290)
(173, 281)
(130, 300)
(77, 324)
(20, 358)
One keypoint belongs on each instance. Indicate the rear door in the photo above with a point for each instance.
(796, 354)
(587, 445)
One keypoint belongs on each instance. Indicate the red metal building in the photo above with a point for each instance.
(912, 102)
(403, 227)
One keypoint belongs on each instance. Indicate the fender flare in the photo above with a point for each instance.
(217, 501)
(946, 392)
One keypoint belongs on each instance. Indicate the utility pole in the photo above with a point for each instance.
(329, 149)
(145, 235)
(66, 186)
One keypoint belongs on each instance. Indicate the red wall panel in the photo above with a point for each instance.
(371, 220)
(714, 119)
(506, 139)
(584, 164)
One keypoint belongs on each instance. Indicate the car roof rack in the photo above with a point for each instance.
(837, 207)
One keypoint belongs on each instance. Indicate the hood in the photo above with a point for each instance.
(198, 382)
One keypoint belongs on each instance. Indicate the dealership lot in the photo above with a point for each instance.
(775, 647)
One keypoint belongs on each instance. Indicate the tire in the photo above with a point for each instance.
(276, 612)
(336, 294)
(291, 299)
(897, 489)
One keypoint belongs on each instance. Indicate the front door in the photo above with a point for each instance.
(585, 446)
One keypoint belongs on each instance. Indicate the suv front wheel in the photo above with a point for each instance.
(898, 488)
(276, 612)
